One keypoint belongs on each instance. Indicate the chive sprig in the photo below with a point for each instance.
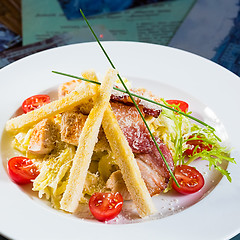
(141, 97)
(130, 95)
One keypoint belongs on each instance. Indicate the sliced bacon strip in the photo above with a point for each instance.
(155, 183)
(133, 127)
(152, 167)
(151, 112)
(146, 108)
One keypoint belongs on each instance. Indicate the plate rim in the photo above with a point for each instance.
(49, 51)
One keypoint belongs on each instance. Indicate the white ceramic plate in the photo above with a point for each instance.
(213, 95)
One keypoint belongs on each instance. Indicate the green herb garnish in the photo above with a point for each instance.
(215, 156)
(180, 135)
(130, 95)
(167, 106)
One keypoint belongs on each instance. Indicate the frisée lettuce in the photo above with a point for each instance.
(176, 131)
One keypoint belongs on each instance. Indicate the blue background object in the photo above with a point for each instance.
(96, 7)
(7, 38)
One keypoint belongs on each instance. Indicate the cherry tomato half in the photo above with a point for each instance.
(22, 170)
(196, 146)
(189, 179)
(105, 206)
(181, 104)
(34, 102)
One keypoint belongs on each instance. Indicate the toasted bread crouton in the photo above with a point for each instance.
(127, 164)
(87, 141)
(78, 96)
(43, 137)
(67, 88)
(70, 86)
(73, 121)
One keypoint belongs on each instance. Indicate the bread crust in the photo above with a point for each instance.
(127, 164)
(87, 141)
(71, 100)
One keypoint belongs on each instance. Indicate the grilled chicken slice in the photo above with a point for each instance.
(67, 87)
(43, 137)
(71, 126)
(117, 184)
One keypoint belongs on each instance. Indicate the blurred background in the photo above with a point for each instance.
(209, 28)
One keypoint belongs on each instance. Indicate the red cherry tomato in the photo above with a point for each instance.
(196, 146)
(105, 206)
(22, 170)
(181, 104)
(34, 102)
(189, 179)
